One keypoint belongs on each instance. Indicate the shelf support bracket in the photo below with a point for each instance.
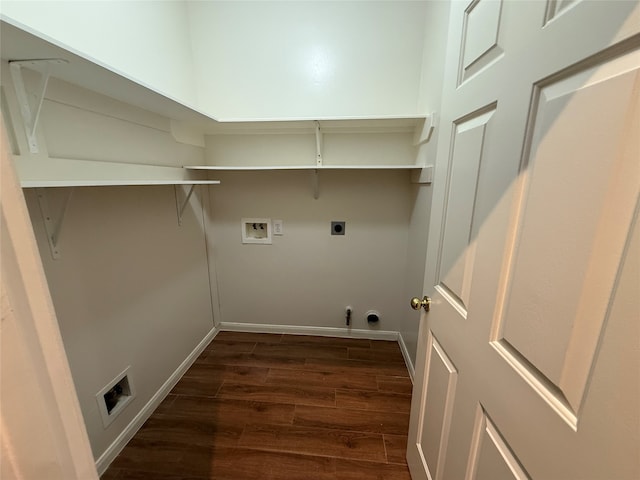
(424, 132)
(53, 226)
(181, 206)
(30, 115)
(318, 145)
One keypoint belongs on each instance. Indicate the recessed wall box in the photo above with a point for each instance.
(115, 396)
(256, 230)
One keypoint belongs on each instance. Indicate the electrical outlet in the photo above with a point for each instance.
(337, 228)
(278, 227)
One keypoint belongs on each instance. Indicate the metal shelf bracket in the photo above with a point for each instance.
(52, 225)
(315, 174)
(182, 205)
(318, 144)
(31, 113)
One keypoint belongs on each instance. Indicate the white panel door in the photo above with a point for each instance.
(528, 364)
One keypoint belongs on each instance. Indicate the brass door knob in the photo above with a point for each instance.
(425, 303)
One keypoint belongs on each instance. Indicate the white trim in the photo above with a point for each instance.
(304, 167)
(127, 434)
(303, 330)
(111, 183)
(407, 357)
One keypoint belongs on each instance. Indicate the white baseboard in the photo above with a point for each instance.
(407, 357)
(302, 330)
(127, 434)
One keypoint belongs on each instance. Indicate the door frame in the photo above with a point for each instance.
(27, 306)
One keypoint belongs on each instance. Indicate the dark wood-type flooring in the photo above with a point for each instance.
(285, 407)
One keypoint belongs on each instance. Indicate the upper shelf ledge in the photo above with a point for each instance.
(301, 167)
(378, 124)
(110, 183)
(65, 172)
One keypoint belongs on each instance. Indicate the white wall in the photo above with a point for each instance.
(307, 59)
(131, 288)
(432, 63)
(249, 59)
(307, 277)
(80, 124)
(144, 40)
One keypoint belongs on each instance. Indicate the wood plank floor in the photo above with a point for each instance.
(279, 407)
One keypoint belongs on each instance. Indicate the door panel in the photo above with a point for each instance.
(556, 8)
(548, 317)
(441, 386)
(455, 269)
(527, 367)
(481, 37)
(490, 457)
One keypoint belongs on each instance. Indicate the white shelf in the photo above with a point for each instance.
(302, 167)
(86, 72)
(314, 169)
(275, 154)
(381, 124)
(53, 223)
(111, 183)
(36, 171)
(371, 167)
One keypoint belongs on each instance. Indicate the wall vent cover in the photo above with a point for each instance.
(114, 396)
